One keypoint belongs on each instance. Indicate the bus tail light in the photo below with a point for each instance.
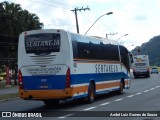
(20, 79)
(68, 77)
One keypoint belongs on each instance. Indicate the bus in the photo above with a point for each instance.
(55, 64)
(141, 66)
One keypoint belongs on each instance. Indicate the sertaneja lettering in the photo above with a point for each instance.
(42, 43)
(102, 68)
(56, 42)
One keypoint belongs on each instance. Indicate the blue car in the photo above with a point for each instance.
(154, 70)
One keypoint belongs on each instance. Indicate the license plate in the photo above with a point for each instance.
(43, 86)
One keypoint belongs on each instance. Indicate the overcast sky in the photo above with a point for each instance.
(140, 19)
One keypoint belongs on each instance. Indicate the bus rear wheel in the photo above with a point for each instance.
(91, 93)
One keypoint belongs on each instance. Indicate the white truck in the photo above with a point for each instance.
(141, 66)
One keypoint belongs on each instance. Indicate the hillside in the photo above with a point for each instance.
(151, 48)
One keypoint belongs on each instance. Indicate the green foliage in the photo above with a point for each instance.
(13, 21)
(152, 49)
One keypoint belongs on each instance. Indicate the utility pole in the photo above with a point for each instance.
(111, 34)
(75, 11)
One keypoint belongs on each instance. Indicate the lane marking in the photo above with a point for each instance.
(118, 99)
(157, 86)
(130, 96)
(105, 103)
(138, 93)
(66, 116)
(152, 88)
(146, 91)
(89, 108)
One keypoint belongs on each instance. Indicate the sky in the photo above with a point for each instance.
(140, 19)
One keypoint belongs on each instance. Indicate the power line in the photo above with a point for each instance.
(111, 34)
(90, 19)
(57, 4)
(104, 26)
(87, 16)
(75, 11)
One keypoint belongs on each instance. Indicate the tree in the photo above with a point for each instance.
(150, 48)
(13, 21)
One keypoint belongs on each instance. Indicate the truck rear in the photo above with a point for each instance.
(141, 66)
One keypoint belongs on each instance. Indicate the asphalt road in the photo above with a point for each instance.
(142, 97)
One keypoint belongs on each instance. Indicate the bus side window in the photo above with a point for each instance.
(75, 50)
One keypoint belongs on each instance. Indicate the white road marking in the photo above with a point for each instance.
(130, 96)
(110, 102)
(152, 89)
(122, 98)
(138, 93)
(146, 91)
(89, 108)
(66, 116)
(105, 103)
(118, 99)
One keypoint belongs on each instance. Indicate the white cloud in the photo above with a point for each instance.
(84, 2)
(138, 18)
(51, 14)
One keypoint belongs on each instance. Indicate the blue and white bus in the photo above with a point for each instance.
(56, 64)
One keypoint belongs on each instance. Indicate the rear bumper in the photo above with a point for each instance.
(155, 72)
(140, 73)
(54, 94)
(45, 94)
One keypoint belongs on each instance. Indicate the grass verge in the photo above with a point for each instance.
(3, 85)
(8, 96)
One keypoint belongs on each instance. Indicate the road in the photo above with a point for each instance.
(144, 95)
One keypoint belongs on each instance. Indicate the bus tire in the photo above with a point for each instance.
(121, 87)
(148, 75)
(135, 77)
(51, 102)
(91, 93)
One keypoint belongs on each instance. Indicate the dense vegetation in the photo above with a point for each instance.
(151, 48)
(13, 21)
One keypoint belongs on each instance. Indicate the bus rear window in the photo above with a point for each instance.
(42, 43)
